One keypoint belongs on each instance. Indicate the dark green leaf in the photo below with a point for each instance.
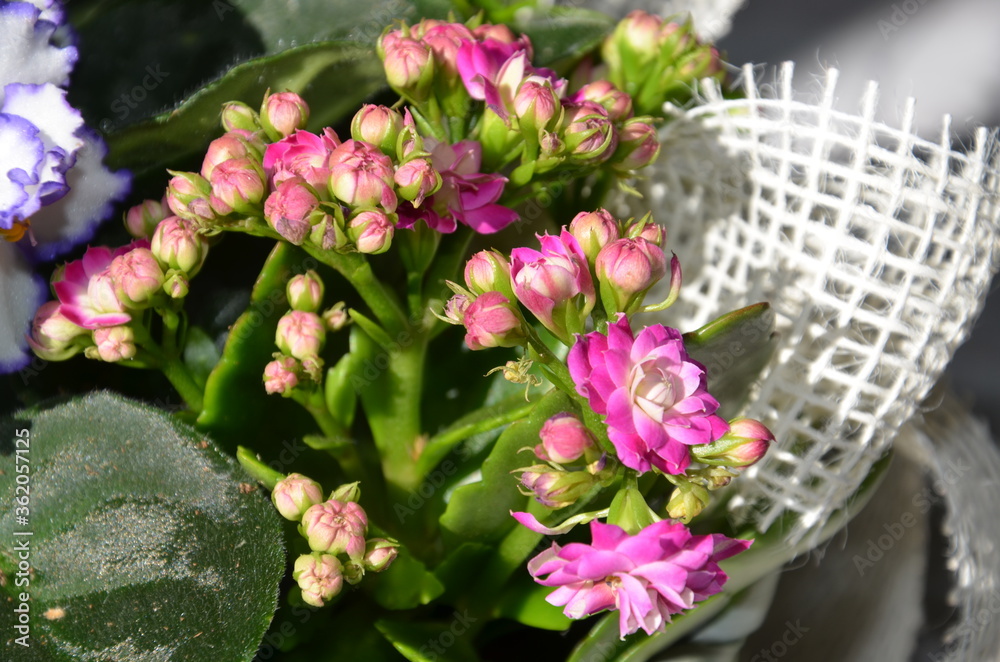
(147, 542)
(405, 584)
(564, 34)
(734, 349)
(430, 642)
(524, 601)
(200, 354)
(479, 511)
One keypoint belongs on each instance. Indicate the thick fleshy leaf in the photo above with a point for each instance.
(524, 602)
(145, 541)
(441, 641)
(405, 584)
(734, 350)
(564, 33)
(480, 511)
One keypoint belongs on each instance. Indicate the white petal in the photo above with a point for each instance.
(21, 292)
(93, 192)
(26, 56)
(46, 107)
(21, 154)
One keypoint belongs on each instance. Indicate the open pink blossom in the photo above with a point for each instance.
(653, 394)
(479, 63)
(86, 292)
(301, 154)
(660, 571)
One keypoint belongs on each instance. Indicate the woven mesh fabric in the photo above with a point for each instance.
(874, 247)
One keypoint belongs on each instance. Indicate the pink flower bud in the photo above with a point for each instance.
(379, 554)
(594, 230)
(102, 295)
(52, 335)
(336, 318)
(188, 197)
(745, 444)
(281, 375)
(416, 179)
(114, 343)
(294, 494)
(444, 40)
(305, 292)
(371, 232)
(378, 125)
(177, 244)
(232, 145)
(362, 176)
(176, 284)
(648, 230)
(336, 527)
(237, 187)
(141, 220)
(283, 113)
(239, 116)
(536, 104)
(347, 492)
(300, 334)
(137, 277)
(604, 93)
(641, 31)
(564, 439)
(589, 134)
(555, 489)
(638, 146)
(491, 321)
(488, 271)
(498, 32)
(320, 576)
(626, 269)
(455, 309)
(409, 67)
(289, 207)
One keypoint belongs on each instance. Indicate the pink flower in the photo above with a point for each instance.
(289, 207)
(362, 176)
(336, 527)
(479, 63)
(284, 113)
(466, 195)
(86, 291)
(301, 154)
(491, 321)
(653, 394)
(137, 277)
(554, 284)
(660, 571)
(281, 375)
(564, 439)
(444, 40)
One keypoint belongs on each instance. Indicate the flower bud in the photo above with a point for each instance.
(687, 501)
(488, 271)
(371, 232)
(348, 492)
(336, 527)
(745, 444)
(605, 94)
(137, 277)
(281, 375)
(294, 494)
(141, 220)
(593, 231)
(626, 269)
(589, 135)
(300, 334)
(638, 146)
(177, 244)
(232, 145)
(239, 116)
(114, 343)
(237, 187)
(336, 318)
(354, 571)
(555, 489)
(282, 114)
(289, 208)
(648, 230)
(378, 125)
(564, 439)
(175, 284)
(536, 105)
(380, 553)
(188, 197)
(362, 176)
(416, 179)
(455, 308)
(492, 321)
(409, 68)
(52, 335)
(102, 295)
(320, 576)
(305, 292)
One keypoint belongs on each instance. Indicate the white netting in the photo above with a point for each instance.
(873, 246)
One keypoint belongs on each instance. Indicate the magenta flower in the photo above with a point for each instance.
(554, 284)
(466, 196)
(479, 63)
(301, 154)
(653, 394)
(660, 571)
(86, 292)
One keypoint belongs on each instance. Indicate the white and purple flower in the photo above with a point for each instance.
(53, 186)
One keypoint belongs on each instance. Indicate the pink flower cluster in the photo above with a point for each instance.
(660, 571)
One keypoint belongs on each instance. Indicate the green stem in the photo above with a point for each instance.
(313, 402)
(264, 474)
(183, 381)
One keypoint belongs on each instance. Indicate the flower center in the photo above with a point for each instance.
(652, 390)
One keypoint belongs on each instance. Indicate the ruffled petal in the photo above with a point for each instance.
(26, 54)
(23, 293)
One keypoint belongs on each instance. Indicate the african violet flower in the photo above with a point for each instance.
(53, 187)
(660, 571)
(653, 394)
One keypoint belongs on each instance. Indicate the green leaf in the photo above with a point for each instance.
(339, 393)
(564, 34)
(146, 543)
(524, 602)
(479, 512)
(333, 77)
(431, 642)
(734, 349)
(405, 584)
(236, 406)
(200, 354)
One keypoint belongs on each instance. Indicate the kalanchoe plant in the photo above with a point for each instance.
(616, 420)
